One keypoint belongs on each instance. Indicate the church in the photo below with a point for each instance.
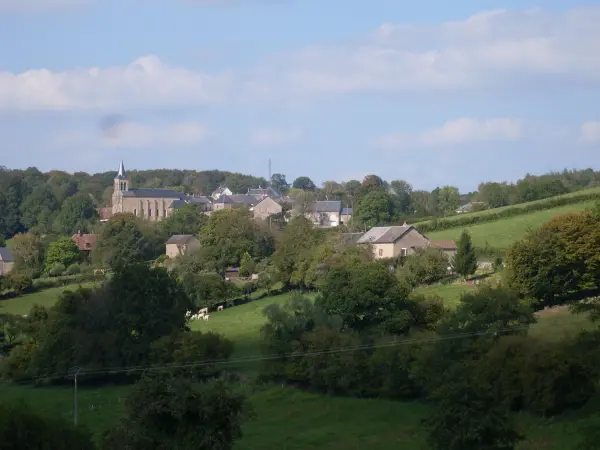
(149, 203)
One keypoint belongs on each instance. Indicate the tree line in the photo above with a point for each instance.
(58, 202)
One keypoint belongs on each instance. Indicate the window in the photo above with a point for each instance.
(380, 252)
(403, 252)
(157, 213)
(149, 212)
(135, 212)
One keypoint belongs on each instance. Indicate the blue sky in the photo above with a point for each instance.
(433, 92)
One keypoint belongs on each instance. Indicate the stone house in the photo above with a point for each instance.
(346, 215)
(266, 208)
(149, 203)
(85, 242)
(180, 244)
(6, 261)
(234, 200)
(326, 213)
(261, 193)
(221, 190)
(403, 240)
(448, 247)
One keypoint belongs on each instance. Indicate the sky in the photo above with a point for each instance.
(432, 92)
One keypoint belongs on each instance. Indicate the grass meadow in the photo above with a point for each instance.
(502, 233)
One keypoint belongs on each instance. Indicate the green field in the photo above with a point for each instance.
(47, 297)
(500, 234)
(486, 212)
(290, 419)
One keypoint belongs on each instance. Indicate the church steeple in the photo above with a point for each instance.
(122, 174)
(121, 180)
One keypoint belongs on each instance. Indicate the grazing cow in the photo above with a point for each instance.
(220, 308)
(205, 317)
(203, 311)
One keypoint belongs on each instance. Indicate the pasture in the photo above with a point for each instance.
(22, 305)
(501, 234)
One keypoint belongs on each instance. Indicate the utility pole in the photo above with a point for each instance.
(74, 371)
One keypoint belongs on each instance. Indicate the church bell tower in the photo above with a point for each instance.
(121, 184)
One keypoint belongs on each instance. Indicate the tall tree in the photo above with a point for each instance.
(78, 213)
(279, 183)
(62, 251)
(448, 199)
(371, 182)
(401, 192)
(188, 219)
(304, 183)
(28, 250)
(375, 208)
(465, 260)
(332, 190)
(123, 241)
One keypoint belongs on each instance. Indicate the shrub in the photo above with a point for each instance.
(57, 270)
(73, 269)
(19, 282)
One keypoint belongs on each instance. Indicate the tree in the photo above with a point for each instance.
(28, 251)
(62, 251)
(375, 208)
(332, 190)
(230, 233)
(304, 183)
(469, 417)
(11, 196)
(188, 219)
(352, 188)
(558, 260)
(247, 265)
(371, 182)
(21, 427)
(465, 260)
(495, 195)
(303, 201)
(168, 412)
(279, 183)
(39, 208)
(448, 199)
(401, 192)
(363, 295)
(77, 213)
(123, 241)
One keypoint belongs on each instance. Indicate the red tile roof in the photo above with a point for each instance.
(85, 241)
(105, 213)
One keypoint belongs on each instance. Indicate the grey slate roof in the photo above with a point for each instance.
(6, 255)
(243, 199)
(347, 211)
(262, 192)
(384, 235)
(327, 206)
(180, 239)
(154, 193)
(121, 174)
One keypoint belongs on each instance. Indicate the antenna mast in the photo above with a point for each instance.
(270, 171)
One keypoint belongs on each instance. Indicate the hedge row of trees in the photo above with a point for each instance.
(468, 219)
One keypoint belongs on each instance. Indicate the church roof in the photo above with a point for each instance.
(153, 193)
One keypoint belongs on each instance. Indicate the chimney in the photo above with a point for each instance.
(79, 233)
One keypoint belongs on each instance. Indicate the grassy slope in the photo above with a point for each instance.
(47, 297)
(595, 190)
(502, 233)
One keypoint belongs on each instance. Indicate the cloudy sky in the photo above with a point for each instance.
(435, 92)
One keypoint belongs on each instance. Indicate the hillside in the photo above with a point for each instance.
(498, 228)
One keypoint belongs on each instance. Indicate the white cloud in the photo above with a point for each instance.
(40, 6)
(131, 135)
(590, 132)
(146, 82)
(458, 131)
(274, 137)
(485, 51)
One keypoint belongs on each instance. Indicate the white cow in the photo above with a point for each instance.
(220, 308)
(205, 317)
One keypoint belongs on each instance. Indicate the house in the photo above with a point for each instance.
(85, 242)
(448, 247)
(221, 190)
(180, 244)
(266, 208)
(105, 213)
(234, 200)
(346, 215)
(261, 193)
(394, 241)
(470, 207)
(150, 203)
(6, 261)
(325, 213)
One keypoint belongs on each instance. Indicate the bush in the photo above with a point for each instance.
(73, 269)
(468, 219)
(57, 270)
(19, 282)
(21, 428)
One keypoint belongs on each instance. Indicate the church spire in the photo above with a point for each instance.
(122, 173)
